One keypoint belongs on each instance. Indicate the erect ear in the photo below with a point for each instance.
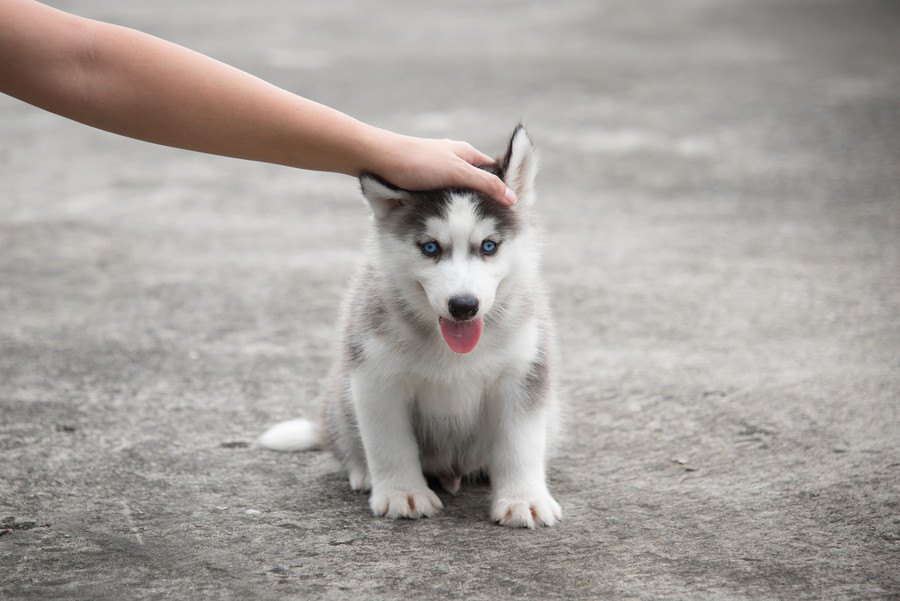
(382, 196)
(520, 165)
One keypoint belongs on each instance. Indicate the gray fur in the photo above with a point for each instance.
(537, 383)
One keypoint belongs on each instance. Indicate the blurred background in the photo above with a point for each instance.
(721, 188)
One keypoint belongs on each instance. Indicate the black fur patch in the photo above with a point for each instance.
(409, 219)
(507, 219)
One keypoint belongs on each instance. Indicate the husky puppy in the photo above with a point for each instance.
(448, 350)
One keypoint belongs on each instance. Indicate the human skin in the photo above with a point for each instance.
(136, 85)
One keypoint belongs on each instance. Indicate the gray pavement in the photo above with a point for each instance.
(721, 188)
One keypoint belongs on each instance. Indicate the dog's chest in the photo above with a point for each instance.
(461, 400)
(448, 423)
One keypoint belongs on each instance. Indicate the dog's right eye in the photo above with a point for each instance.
(430, 249)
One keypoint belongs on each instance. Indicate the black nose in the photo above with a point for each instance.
(463, 306)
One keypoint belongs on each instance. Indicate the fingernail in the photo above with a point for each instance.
(510, 196)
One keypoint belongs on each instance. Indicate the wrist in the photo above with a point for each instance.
(375, 150)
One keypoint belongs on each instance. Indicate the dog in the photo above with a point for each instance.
(448, 350)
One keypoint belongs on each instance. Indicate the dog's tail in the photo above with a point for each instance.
(292, 435)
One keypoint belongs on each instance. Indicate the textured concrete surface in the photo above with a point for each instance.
(721, 186)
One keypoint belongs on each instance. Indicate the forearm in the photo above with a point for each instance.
(136, 85)
(139, 86)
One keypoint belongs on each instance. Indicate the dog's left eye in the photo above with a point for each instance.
(488, 247)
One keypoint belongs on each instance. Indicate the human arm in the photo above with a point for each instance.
(136, 85)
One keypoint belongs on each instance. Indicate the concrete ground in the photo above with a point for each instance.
(721, 186)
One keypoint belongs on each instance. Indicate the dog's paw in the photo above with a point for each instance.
(360, 479)
(411, 504)
(526, 511)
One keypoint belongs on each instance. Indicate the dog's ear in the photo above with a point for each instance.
(519, 166)
(382, 196)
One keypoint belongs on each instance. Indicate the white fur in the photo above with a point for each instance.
(382, 198)
(292, 435)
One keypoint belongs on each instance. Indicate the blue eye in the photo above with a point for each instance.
(488, 247)
(430, 249)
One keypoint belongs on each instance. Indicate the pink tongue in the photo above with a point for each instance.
(461, 336)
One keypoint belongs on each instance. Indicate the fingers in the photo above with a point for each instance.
(472, 155)
(481, 180)
(427, 164)
(490, 184)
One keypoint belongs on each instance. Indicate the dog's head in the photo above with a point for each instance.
(448, 251)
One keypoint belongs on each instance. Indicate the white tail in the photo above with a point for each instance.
(293, 435)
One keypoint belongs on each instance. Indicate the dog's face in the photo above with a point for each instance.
(449, 251)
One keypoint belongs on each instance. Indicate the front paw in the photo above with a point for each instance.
(526, 511)
(411, 503)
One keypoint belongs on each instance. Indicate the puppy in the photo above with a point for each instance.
(448, 349)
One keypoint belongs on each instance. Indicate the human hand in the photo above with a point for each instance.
(426, 164)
